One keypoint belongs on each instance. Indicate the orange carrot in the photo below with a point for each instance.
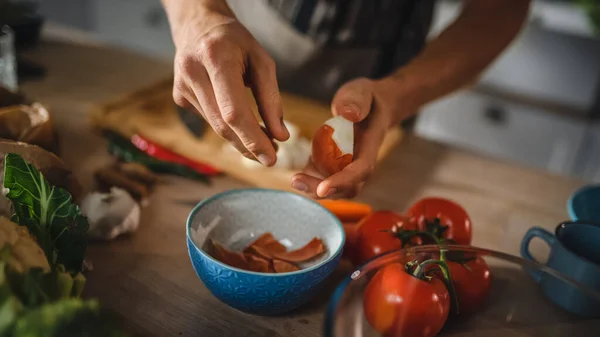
(346, 210)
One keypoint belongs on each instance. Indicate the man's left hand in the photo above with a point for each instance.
(374, 105)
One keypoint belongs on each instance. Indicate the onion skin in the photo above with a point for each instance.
(326, 155)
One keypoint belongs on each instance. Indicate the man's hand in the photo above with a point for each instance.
(216, 59)
(484, 28)
(375, 106)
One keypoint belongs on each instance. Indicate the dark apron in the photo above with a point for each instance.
(398, 28)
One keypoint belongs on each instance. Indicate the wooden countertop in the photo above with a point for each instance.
(147, 277)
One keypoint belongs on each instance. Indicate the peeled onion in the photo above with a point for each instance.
(291, 154)
(284, 155)
(333, 145)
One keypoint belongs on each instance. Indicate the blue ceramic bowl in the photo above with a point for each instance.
(238, 217)
(584, 204)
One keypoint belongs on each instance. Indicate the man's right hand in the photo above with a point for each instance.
(216, 59)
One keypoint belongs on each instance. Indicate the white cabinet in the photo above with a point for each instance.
(140, 25)
(564, 16)
(553, 66)
(554, 59)
(504, 130)
(549, 67)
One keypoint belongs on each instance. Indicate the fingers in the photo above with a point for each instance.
(346, 182)
(309, 185)
(266, 92)
(306, 183)
(210, 76)
(308, 180)
(232, 100)
(196, 89)
(367, 143)
(353, 100)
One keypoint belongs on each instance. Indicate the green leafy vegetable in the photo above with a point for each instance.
(34, 287)
(34, 302)
(48, 213)
(39, 298)
(72, 317)
(10, 306)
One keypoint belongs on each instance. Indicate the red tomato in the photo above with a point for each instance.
(351, 230)
(373, 240)
(472, 282)
(398, 304)
(471, 277)
(435, 214)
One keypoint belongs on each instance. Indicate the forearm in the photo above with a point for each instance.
(183, 12)
(461, 52)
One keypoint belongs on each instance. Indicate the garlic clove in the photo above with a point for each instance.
(111, 214)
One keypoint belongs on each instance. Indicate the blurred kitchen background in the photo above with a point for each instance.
(537, 105)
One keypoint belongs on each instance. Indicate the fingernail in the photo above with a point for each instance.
(300, 186)
(264, 159)
(351, 111)
(284, 126)
(331, 192)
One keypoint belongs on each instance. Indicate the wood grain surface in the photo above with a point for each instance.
(151, 113)
(147, 277)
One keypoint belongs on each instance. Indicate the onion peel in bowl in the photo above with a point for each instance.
(267, 241)
(267, 255)
(284, 267)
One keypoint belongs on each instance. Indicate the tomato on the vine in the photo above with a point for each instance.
(397, 303)
(471, 277)
(443, 218)
(376, 235)
(472, 282)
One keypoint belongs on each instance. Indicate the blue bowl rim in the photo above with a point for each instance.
(244, 190)
(574, 195)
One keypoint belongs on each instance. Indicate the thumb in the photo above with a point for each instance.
(353, 100)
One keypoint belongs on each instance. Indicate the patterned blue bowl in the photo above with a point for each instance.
(235, 219)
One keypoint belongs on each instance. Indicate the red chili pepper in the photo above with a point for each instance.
(161, 153)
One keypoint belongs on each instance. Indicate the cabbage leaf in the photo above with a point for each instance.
(48, 212)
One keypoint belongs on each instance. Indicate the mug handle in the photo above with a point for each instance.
(532, 233)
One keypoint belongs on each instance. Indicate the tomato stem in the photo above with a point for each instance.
(420, 271)
(406, 235)
(435, 227)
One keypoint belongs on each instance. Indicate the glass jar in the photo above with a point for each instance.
(8, 63)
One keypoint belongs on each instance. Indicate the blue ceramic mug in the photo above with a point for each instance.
(575, 253)
(584, 204)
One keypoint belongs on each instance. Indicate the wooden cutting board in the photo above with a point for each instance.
(151, 113)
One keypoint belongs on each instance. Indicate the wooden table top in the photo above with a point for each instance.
(147, 277)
